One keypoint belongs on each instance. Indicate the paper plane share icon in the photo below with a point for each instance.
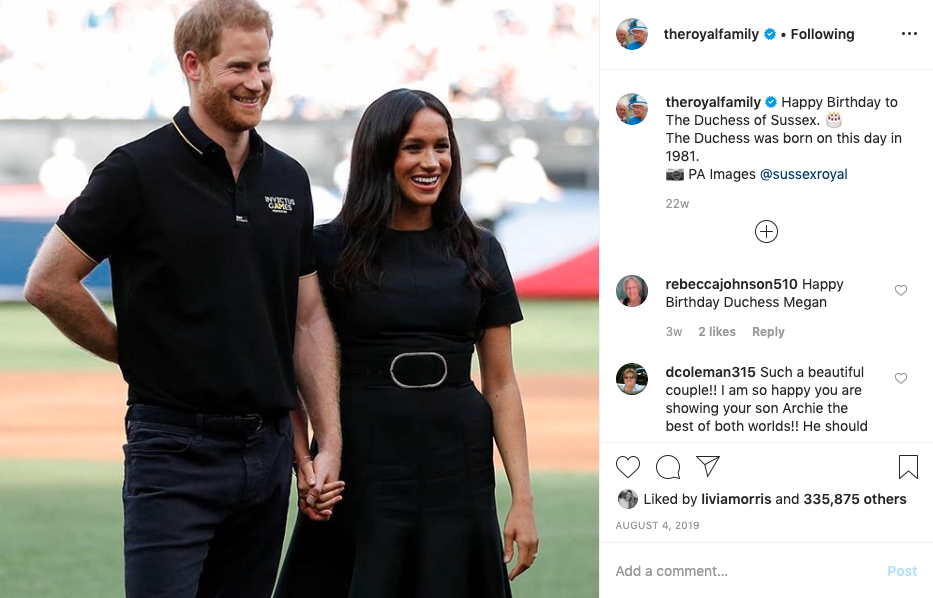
(708, 463)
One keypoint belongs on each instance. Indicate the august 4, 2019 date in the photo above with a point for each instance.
(663, 525)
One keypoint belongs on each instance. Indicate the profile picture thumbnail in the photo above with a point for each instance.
(632, 291)
(631, 378)
(628, 499)
(632, 34)
(632, 108)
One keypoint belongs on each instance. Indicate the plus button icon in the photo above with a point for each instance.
(766, 231)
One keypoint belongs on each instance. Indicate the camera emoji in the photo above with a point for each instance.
(675, 174)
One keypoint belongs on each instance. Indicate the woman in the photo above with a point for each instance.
(627, 499)
(412, 286)
(628, 385)
(633, 290)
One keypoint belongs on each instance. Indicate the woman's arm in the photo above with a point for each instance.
(500, 388)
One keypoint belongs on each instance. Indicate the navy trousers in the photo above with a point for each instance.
(204, 511)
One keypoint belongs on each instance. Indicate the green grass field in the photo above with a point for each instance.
(556, 336)
(61, 522)
(62, 532)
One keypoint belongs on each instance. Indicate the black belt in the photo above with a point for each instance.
(423, 369)
(227, 425)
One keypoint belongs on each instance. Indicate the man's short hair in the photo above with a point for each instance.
(199, 29)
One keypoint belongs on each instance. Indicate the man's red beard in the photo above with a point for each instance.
(219, 105)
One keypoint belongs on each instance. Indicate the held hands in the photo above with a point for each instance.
(520, 528)
(318, 488)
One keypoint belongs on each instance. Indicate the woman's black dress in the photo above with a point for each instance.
(418, 518)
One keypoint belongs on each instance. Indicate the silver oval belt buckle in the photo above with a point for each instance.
(418, 354)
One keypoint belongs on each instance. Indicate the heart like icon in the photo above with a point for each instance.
(900, 289)
(901, 378)
(628, 465)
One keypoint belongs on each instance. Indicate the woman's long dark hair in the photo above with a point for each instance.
(373, 195)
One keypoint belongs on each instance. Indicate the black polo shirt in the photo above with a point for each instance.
(205, 268)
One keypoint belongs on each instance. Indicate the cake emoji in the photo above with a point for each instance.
(833, 120)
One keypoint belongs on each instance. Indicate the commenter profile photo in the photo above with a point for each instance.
(631, 378)
(632, 291)
(632, 34)
(632, 108)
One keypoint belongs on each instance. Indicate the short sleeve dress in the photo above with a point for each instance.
(418, 516)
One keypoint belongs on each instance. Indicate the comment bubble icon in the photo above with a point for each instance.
(668, 467)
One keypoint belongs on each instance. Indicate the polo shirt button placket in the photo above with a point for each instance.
(240, 205)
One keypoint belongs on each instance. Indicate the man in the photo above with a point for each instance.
(622, 35)
(639, 106)
(208, 231)
(639, 32)
(622, 110)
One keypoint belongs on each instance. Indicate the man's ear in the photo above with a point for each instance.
(191, 66)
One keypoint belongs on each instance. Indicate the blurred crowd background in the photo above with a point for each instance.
(490, 59)
(81, 77)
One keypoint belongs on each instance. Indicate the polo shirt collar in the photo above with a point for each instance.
(200, 142)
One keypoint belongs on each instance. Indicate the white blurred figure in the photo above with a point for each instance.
(342, 171)
(326, 204)
(482, 195)
(62, 175)
(521, 176)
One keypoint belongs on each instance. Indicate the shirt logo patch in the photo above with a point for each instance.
(280, 205)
